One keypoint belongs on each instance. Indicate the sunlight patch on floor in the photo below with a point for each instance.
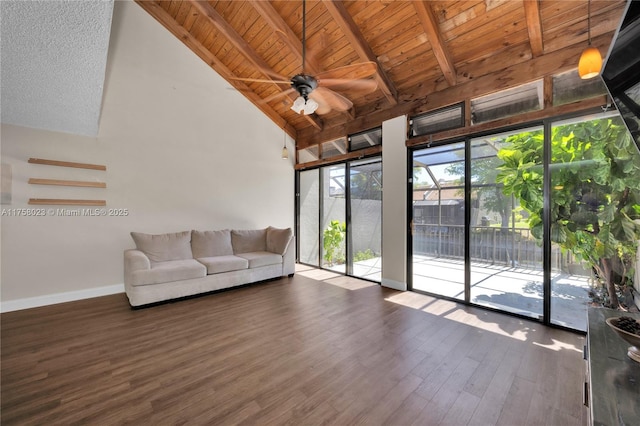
(338, 280)
(350, 283)
(504, 326)
(318, 274)
(557, 345)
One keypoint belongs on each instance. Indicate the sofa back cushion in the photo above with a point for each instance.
(163, 247)
(247, 241)
(278, 239)
(211, 243)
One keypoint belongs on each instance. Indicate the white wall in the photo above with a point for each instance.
(182, 150)
(394, 203)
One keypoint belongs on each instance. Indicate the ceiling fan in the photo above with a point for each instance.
(317, 93)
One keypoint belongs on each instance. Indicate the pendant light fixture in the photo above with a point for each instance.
(590, 61)
(285, 151)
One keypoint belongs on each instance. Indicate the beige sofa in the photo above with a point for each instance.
(171, 266)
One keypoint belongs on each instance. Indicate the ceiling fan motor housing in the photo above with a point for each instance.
(304, 84)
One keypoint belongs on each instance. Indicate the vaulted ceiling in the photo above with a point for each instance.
(427, 54)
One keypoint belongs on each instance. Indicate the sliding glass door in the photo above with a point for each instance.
(595, 197)
(438, 231)
(365, 227)
(340, 218)
(333, 218)
(308, 217)
(550, 227)
(506, 258)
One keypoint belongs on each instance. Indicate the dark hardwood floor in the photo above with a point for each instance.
(313, 349)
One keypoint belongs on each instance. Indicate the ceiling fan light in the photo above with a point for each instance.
(302, 106)
(298, 105)
(590, 63)
(310, 107)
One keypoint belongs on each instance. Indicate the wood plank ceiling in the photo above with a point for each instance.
(428, 54)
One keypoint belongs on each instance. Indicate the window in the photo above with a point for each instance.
(569, 87)
(365, 139)
(334, 148)
(436, 121)
(308, 154)
(516, 100)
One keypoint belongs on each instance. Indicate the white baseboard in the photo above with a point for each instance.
(52, 299)
(396, 285)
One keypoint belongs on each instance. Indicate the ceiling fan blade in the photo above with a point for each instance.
(364, 85)
(353, 71)
(260, 80)
(332, 99)
(323, 105)
(277, 95)
(272, 73)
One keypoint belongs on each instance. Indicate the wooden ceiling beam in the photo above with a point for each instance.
(284, 32)
(534, 26)
(244, 48)
(438, 45)
(352, 33)
(205, 54)
(288, 37)
(423, 99)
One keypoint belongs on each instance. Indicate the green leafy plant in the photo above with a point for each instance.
(363, 255)
(595, 195)
(333, 236)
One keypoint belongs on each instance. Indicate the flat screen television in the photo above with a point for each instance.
(621, 72)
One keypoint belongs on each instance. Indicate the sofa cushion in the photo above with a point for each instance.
(219, 264)
(278, 239)
(164, 247)
(247, 241)
(211, 243)
(171, 270)
(261, 258)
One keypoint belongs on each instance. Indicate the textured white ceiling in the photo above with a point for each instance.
(53, 56)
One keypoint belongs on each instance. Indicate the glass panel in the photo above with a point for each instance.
(334, 148)
(506, 258)
(437, 121)
(516, 100)
(365, 139)
(569, 87)
(595, 196)
(308, 154)
(366, 219)
(309, 221)
(333, 218)
(438, 220)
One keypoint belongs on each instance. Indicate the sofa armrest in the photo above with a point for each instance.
(135, 260)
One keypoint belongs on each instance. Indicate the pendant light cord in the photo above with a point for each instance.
(304, 34)
(589, 21)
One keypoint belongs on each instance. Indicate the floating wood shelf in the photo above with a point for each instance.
(60, 182)
(67, 202)
(67, 164)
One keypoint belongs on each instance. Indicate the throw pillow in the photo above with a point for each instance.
(278, 239)
(247, 241)
(211, 243)
(164, 247)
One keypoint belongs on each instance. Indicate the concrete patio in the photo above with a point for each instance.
(512, 289)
